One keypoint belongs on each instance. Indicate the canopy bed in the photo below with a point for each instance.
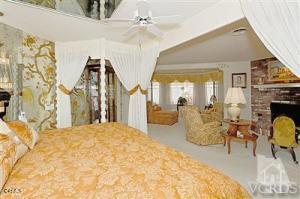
(112, 160)
(133, 64)
(93, 87)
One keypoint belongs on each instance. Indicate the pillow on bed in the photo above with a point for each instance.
(26, 133)
(7, 157)
(21, 150)
(5, 130)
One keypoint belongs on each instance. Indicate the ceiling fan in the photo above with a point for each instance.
(143, 20)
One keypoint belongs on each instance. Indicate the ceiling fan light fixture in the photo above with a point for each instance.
(144, 20)
(239, 31)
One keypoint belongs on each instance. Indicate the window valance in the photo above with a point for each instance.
(191, 77)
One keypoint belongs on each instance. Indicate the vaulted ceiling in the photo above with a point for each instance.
(218, 46)
(186, 9)
(203, 36)
(56, 26)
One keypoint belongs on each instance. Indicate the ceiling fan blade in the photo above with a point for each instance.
(133, 30)
(113, 20)
(173, 19)
(143, 8)
(154, 30)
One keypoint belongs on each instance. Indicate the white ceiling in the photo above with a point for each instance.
(218, 46)
(56, 26)
(53, 25)
(185, 8)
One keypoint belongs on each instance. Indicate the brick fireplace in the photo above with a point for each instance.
(262, 97)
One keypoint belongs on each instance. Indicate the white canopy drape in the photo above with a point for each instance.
(133, 65)
(277, 25)
(71, 59)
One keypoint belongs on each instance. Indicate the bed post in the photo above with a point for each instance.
(102, 82)
(102, 9)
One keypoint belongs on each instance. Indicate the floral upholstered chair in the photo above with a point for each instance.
(155, 115)
(215, 114)
(199, 132)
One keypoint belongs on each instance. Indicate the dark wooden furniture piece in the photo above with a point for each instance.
(93, 77)
(231, 134)
(4, 102)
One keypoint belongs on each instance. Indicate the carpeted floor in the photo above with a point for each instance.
(240, 164)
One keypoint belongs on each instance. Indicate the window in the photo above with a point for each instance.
(211, 88)
(153, 93)
(185, 90)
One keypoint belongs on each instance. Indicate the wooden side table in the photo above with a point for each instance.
(241, 125)
(231, 134)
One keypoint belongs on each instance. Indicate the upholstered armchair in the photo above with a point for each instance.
(283, 135)
(157, 116)
(199, 132)
(215, 114)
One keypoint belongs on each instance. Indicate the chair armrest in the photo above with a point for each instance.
(166, 113)
(210, 126)
(207, 118)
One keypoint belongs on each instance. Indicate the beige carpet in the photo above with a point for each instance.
(240, 164)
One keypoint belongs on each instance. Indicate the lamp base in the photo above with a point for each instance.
(234, 112)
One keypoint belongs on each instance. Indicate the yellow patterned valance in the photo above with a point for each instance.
(191, 77)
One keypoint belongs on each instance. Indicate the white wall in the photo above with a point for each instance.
(238, 67)
(199, 96)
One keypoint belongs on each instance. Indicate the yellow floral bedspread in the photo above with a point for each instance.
(112, 160)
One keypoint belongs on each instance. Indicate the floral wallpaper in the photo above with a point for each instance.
(44, 3)
(39, 82)
(32, 64)
(79, 102)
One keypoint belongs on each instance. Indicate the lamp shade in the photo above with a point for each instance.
(235, 96)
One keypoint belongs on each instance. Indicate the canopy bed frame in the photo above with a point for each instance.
(93, 68)
(133, 64)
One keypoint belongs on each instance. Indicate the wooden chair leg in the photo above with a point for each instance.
(273, 151)
(293, 155)
(229, 145)
(254, 148)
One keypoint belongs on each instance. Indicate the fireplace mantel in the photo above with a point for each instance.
(281, 85)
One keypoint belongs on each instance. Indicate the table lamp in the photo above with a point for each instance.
(234, 97)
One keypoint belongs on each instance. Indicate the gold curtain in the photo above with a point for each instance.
(191, 77)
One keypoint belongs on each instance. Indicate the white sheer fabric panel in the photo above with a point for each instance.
(166, 95)
(133, 66)
(277, 25)
(71, 59)
(199, 95)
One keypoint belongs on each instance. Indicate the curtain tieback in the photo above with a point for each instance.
(63, 89)
(136, 88)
